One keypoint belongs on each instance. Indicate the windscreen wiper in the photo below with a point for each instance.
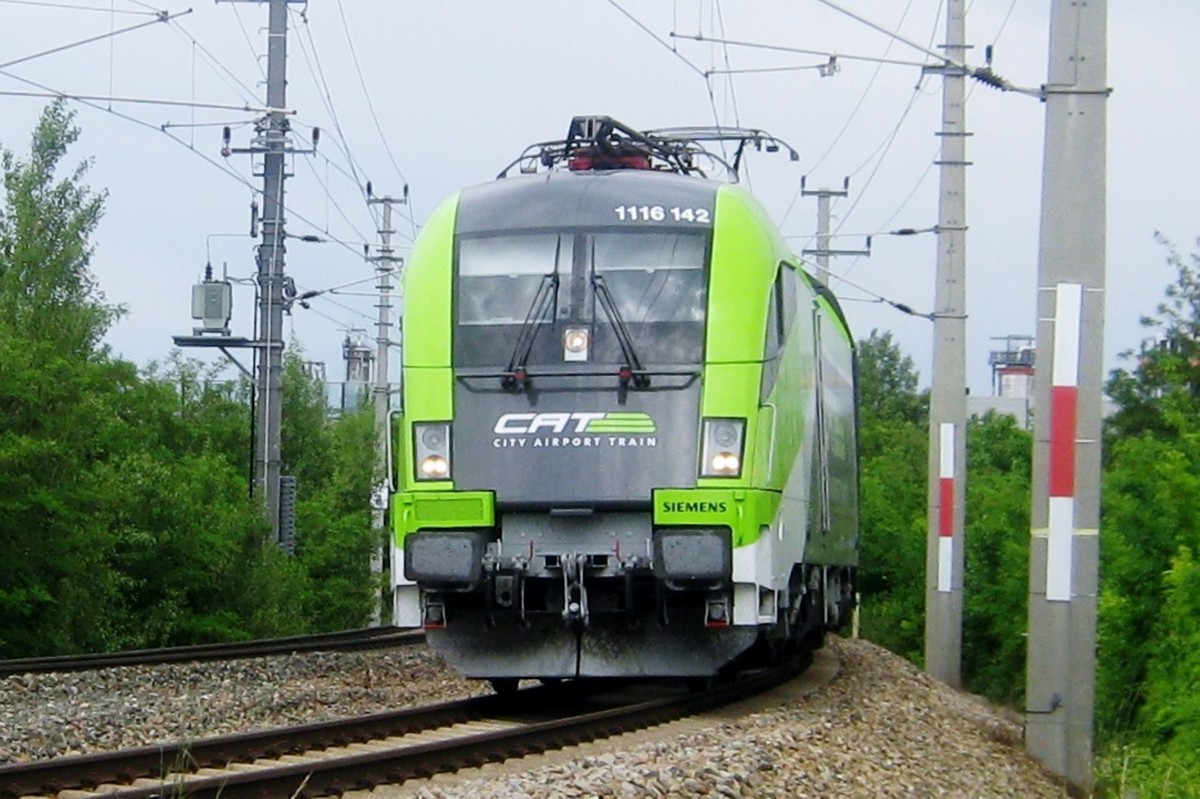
(633, 366)
(543, 301)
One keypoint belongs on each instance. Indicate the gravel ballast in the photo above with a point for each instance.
(879, 728)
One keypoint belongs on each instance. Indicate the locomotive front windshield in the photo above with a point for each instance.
(579, 288)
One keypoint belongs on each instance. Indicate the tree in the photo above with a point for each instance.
(124, 515)
(1149, 639)
(47, 292)
(893, 458)
(52, 422)
(997, 557)
(1160, 395)
(333, 459)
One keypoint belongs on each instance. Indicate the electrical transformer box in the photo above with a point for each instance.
(212, 304)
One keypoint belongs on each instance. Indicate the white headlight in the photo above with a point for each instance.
(722, 443)
(725, 463)
(434, 467)
(575, 344)
(431, 449)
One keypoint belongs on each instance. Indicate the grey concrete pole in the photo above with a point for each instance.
(822, 251)
(273, 140)
(1065, 515)
(384, 264)
(823, 237)
(948, 401)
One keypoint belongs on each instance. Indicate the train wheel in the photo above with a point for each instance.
(504, 685)
(814, 639)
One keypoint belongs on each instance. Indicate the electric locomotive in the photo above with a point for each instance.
(627, 444)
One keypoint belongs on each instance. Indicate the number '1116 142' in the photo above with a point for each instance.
(658, 213)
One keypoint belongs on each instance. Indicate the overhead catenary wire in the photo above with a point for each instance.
(982, 74)
(878, 298)
(93, 98)
(827, 54)
(374, 116)
(658, 39)
(729, 83)
(162, 16)
(227, 76)
(316, 70)
(78, 7)
(200, 54)
(880, 62)
(939, 57)
(332, 200)
(929, 167)
(712, 99)
(246, 36)
(931, 162)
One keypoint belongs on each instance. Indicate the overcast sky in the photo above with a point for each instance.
(457, 88)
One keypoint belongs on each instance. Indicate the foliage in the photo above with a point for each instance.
(1148, 673)
(47, 293)
(893, 460)
(125, 516)
(1137, 770)
(997, 557)
(334, 461)
(1160, 395)
(887, 382)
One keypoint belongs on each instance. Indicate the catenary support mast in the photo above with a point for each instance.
(270, 267)
(1065, 515)
(948, 401)
(272, 143)
(823, 251)
(385, 268)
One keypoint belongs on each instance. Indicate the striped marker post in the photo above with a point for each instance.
(1064, 405)
(945, 571)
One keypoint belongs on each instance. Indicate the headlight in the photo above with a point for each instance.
(575, 344)
(432, 450)
(721, 454)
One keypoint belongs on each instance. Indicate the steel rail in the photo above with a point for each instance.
(347, 640)
(365, 752)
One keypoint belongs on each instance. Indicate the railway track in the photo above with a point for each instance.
(348, 640)
(330, 758)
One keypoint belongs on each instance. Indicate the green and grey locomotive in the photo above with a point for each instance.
(628, 437)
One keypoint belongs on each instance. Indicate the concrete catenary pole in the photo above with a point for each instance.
(823, 236)
(948, 401)
(385, 264)
(273, 144)
(1065, 515)
(824, 216)
(271, 266)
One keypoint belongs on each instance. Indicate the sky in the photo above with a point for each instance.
(437, 96)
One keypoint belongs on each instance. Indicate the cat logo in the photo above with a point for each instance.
(580, 422)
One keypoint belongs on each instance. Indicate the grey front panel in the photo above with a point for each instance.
(575, 441)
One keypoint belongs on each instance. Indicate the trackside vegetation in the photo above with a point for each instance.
(125, 517)
(1148, 671)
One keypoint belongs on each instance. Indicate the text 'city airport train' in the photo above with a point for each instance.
(628, 437)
